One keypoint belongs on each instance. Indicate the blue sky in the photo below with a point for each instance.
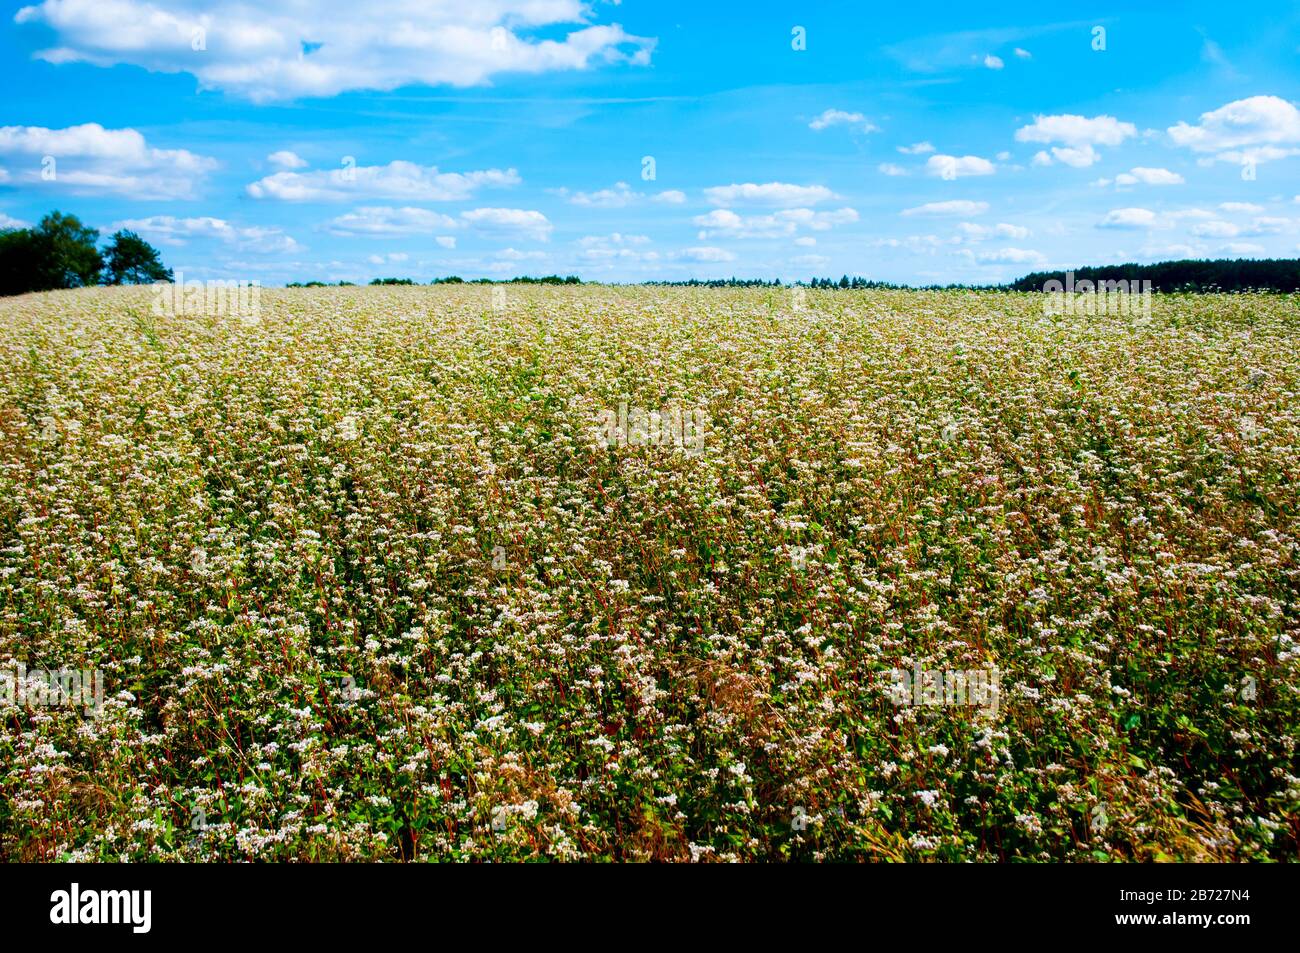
(288, 141)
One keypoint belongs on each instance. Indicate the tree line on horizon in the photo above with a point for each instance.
(61, 252)
(1222, 274)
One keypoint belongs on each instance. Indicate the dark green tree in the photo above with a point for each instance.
(22, 261)
(130, 260)
(73, 259)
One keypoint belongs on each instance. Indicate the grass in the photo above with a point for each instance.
(366, 580)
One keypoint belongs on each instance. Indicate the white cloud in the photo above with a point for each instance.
(1023, 54)
(972, 232)
(89, 159)
(279, 49)
(1077, 130)
(1257, 129)
(916, 149)
(805, 241)
(8, 221)
(889, 168)
(1250, 207)
(916, 244)
(769, 193)
(837, 117)
(616, 247)
(391, 258)
(514, 254)
(382, 221)
(167, 230)
(956, 207)
(1215, 230)
(993, 62)
(524, 222)
(1241, 248)
(1010, 256)
(614, 238)
(1078, 136)
(1079, 157)
(1147, 176)
(284, 159)
(953, 167)
(1130, 218)
(620, 196)
(1175, 251)
(1266, 225)
(397, 180)
(810, 261)
(703, 254)
(785, 222)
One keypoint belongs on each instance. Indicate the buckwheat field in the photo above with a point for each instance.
(650, 573)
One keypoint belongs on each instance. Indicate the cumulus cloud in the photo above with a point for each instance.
(838, 117)
(1008, 256)
(916, 244)
(969, 231)
(620, 196)
(1262, 225)
(278, 49)
(785, 222)
(1257, 129)
(1215, 230)
(1142, 175)
(769, 193)
(1174, 251)
(1078, 136)
(168, 230)
(703, 254)
(382, 221)
(284, 159)
(525, 222)
(954, 167)
(616, 247)
(956, 207)
(916, 149)
(1129, 218)
(397, 180)
(889, 168)
(993, 62)
(1207, 225)
(91, 159)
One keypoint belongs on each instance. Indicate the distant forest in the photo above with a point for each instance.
(61, 252)
(1225, 274)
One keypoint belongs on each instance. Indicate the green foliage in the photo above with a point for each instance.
(58, 253)
(131, 260)
(1273, 274)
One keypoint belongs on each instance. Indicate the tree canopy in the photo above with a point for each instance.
(130, 260)
(62, 252)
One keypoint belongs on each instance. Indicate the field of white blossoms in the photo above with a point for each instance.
(390, 574)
